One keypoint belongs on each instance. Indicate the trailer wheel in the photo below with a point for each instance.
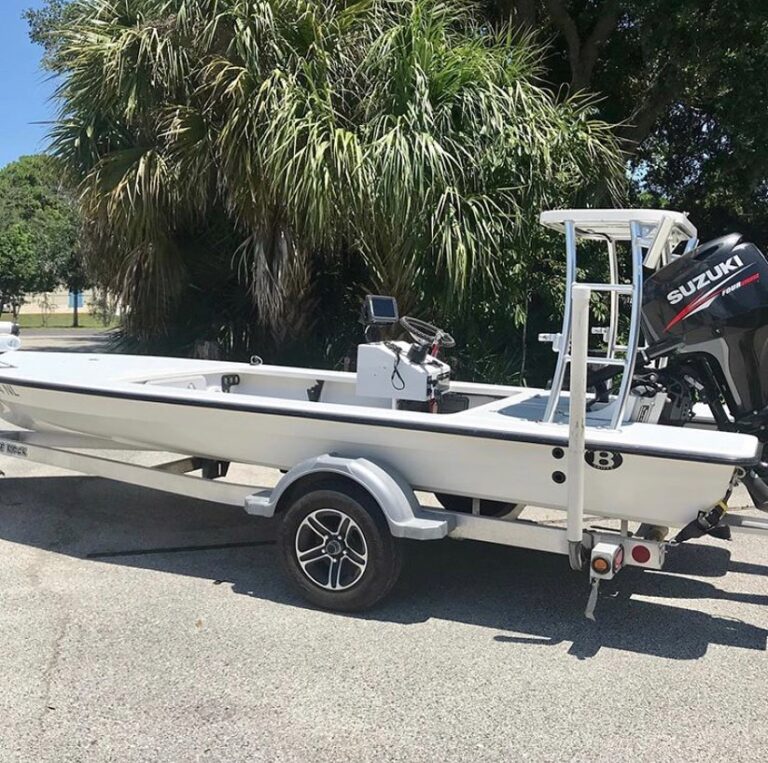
(337, 549)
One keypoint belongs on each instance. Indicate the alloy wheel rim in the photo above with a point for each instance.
(331, 549)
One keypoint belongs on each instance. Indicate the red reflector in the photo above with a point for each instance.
(641, 554)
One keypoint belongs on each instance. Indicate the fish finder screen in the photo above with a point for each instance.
(381, 309)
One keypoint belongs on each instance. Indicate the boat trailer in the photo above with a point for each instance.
(601, 552)
(348, 511)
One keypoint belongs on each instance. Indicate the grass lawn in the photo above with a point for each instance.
(57, 321)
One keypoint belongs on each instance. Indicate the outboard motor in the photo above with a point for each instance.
(707, 312)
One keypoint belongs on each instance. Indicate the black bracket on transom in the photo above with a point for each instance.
(228, 381)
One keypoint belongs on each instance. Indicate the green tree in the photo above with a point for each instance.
(687, 80)
(684, 77)
(18, 266)
(262, 151)
(39, 230)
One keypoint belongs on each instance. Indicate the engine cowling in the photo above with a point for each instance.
(713, 302)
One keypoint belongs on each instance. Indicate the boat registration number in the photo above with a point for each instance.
(13, 449)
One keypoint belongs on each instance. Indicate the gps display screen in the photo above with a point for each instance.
(383, 308)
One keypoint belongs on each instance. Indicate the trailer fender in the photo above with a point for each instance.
(395, 497)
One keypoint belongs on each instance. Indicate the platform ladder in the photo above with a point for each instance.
(650, 238)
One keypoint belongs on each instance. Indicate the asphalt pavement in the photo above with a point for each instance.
(69, 340)
(140, 626)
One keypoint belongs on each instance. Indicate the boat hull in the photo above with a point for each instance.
(475, 462)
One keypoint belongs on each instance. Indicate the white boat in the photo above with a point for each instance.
(482, 448)
(497, 449)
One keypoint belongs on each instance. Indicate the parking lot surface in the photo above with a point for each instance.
(136, 625)
(67, 340)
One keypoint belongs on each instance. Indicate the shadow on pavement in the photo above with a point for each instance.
(528, 597)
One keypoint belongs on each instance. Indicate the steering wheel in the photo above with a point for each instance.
(425, 333)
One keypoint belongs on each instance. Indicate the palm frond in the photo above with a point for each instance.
(408, 135)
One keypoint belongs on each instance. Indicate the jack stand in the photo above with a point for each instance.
(589, 612)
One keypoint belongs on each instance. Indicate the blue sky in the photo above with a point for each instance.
(24, 88)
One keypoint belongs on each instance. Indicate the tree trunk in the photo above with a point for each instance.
(641, 122)
(75, 321)
(583, 53)
(524, 355)
(522, 13)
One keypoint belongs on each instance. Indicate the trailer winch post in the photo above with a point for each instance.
(577, 413)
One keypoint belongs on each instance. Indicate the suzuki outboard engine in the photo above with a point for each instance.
(707, 312)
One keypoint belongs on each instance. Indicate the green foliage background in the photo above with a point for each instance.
(39, 229)
(248, 170)
(682, 81)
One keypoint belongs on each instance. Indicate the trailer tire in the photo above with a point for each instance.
(337, 549)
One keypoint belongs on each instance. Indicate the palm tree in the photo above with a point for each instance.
(255, 146)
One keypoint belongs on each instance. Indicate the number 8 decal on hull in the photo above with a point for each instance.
(604, 460)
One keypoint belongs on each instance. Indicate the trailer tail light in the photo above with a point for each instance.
(633, 552)
(645, 553)
(641, 554)
(607, 559)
